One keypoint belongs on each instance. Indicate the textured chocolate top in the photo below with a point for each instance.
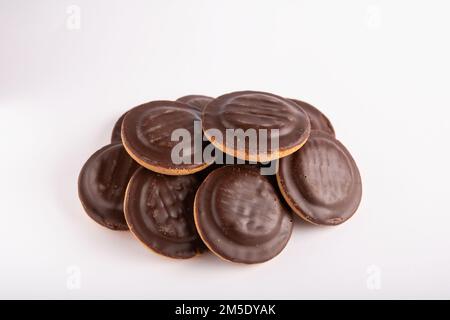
(102, 183)
(116, 132)
(158, 210)
(239, 215)
(318, 120)
(147, 130)
(257, 110)
(195, 100)
(321, 181)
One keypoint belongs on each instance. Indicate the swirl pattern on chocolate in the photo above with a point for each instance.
(321, 182)
(239, 216)
(158, 210)
(196, 100)
(102, 183)
(147, 131)
(257, 110)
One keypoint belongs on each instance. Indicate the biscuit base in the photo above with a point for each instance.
(244, 155)
(159, 169)
(289, 201)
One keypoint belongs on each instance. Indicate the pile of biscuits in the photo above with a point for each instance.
(180, 209)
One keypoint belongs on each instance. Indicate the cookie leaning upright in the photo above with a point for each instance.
(146, 135)
(253, 110)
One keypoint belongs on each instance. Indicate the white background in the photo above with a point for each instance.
(379, 69)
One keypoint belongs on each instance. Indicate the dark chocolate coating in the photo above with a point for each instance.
(318, 120)
(257, 110)
(147, 130)
(196, 100)
(158, 210)
(102, 183)
(239, 216)
(201, 175)
(116, 132)
(321, 182)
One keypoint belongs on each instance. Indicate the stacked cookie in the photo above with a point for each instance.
(182, 208)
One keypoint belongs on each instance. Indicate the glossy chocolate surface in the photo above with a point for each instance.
(197, 101)
(321, 181)
(239, 215)
(116, 132)
(159, 212)
(257, 110)
(318, 120)
(147, 130)
(102, 183)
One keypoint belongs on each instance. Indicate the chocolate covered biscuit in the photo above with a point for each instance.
(102, 183)
(321, 182)
(158, 210)
(239, 216)
(283, 120)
